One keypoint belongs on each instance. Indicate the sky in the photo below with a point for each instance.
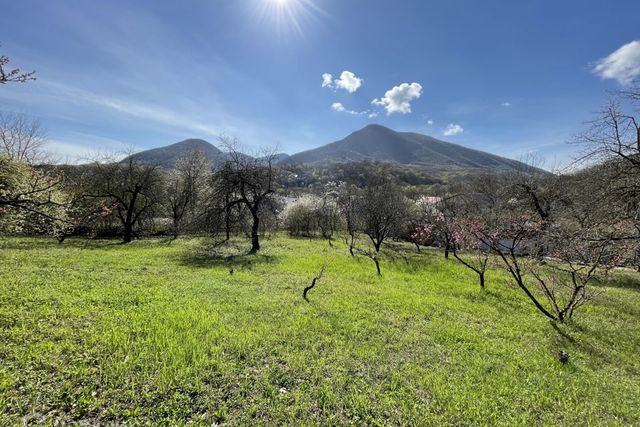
(508, 77)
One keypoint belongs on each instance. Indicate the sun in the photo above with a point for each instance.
(287, 15)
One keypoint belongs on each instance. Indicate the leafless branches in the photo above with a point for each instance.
(132, 190)
(185, 186)
(247, 181)
(15, 75)
(22, 138)
(313, 282)
(29, 194)
(614, 134)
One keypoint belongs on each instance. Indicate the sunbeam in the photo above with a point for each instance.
(287, 16)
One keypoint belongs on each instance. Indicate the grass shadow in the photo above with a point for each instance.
(565, 338)
(223, 254)
(32, 243)
(411, 261)
(627, 280)
(601, 348)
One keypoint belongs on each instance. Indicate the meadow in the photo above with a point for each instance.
(185, 332)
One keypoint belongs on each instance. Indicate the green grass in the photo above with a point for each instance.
(160, 332)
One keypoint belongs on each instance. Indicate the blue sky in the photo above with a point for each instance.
(509, 77)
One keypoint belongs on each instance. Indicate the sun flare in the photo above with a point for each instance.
(287, 15)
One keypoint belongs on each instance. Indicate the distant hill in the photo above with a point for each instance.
(376, 142)
(168, 155)
(372, 143)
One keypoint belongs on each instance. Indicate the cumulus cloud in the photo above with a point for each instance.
(327, 80)
(347, 81)
(398, 99)
(453, 129)
(429, 122)
(337, 106)
(622, 65)
(506, 104)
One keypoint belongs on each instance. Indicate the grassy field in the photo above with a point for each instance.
(160, 332)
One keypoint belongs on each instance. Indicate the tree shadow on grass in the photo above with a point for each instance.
(505, 302)
(627, 280)
(408, 260)
(600, 347)
(32, 243)
(565, 337)
(223, 254)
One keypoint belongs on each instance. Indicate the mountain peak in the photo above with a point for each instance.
(376, 126)
(195, 143)
(168, 155)
(377, 142)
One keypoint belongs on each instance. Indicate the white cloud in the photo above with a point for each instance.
(429, 122)
(453, 129)
(327, 80)
(347, 81)
(339, 107)
(622, 65)
(398, 99)
(506, 104)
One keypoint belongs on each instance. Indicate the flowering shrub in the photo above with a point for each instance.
(465, 232)
(423, 234)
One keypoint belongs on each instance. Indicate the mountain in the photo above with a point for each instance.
(167, 156)
(376, 142)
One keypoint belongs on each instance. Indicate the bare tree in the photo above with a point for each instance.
(615, 133)
(612, 140)
(565, 282)
(510, 235)
(132, 189)
(326, 211)
(22, 138)
(468, 249)
(380, 211)
(185, 184)
(247, 181)
(347, 204)
(30, 196)
(8, 75)
(537, 190)
(439, 213)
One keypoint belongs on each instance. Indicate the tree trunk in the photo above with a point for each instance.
(446, 251)
(227, 218)
(481, 280)
(375, 259)
(175, 229)
(128, 232)
(351, 245)
(128, 221)
(255, 239)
